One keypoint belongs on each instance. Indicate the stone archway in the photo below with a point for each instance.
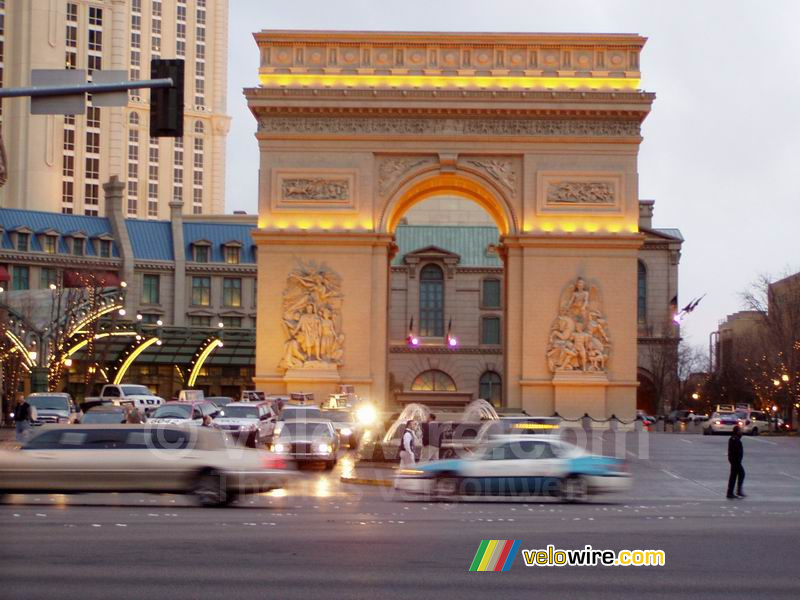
(541, 130)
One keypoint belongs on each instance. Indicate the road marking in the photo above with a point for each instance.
(685, 441)
(631, 453)
(671, 474)
(792, 476)
(755, 439)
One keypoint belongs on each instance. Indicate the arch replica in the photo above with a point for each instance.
(541, 130)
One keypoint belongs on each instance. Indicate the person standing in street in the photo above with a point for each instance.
(407, 445)
(22, 419)
(431, 440)
(735, 456)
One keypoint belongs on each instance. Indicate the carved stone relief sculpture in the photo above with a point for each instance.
(391, 169)
(312, 303)
(581, 192)
(315, 189)
(500, 170)
(579, 338)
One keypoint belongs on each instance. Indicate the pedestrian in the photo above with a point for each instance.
(207, 421)
(431, 440)
(735, 456)
(22, 418)
(407, 445)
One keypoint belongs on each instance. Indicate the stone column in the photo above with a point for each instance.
(115, 212)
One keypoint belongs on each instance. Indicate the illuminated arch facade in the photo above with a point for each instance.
(542, 131)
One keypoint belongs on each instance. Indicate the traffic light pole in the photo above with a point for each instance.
(84, 88)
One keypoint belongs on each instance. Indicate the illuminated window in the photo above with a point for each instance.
(431, 301)
(232, 292)
(491, 387)
(433, 381)
(201, 291)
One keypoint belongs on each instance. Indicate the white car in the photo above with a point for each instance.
(755, 421)
(252, 423)
(139, 458)
(53, 407)
(722, 422)
(530, 465)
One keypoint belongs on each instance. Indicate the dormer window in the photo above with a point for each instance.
(77, 246)
(233, 255)
(49, 244)
(22, 241)
(201, 253)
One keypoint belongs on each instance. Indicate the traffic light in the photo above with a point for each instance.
(166, 104)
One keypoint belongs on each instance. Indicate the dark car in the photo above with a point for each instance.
(104, 415)
(679, 416)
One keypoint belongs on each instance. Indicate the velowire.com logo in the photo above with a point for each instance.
(495, 555)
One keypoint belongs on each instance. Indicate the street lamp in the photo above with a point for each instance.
(695, 396)
(785, 377)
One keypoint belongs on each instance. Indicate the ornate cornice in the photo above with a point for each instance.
(60, 260)
(403, 349)
(221, 268)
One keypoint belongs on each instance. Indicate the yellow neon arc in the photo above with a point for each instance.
(132, 357)
(22, 349)
(312, 80)
(201, 359)
(83, 343)
(92, 317)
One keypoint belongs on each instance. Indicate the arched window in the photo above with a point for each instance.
(641, 293)
(133, 119)
(491, 388)
(431, 301)
(198, 127)
(433, 381)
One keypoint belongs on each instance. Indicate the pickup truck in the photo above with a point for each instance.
(138, 396)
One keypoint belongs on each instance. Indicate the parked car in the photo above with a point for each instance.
(308, 440)
(755, 421)
(104, 415)
(138, 458)
(174, 413)
(722, 422)
(53, 407)
(251, 423)
(346, 425)
(530, 465)
(139, 396)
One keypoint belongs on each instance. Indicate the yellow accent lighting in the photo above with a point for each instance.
(444, 82)
(534, 426)
(91, 317)
(22, 349)
(132, 357)
(82, 343)
(202, 359)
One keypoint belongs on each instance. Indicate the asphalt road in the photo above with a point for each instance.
(323, 539)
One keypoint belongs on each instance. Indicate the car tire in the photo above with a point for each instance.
(445, 486)
(209, 489)
(329, 464)
(754, 431)
(574, 489)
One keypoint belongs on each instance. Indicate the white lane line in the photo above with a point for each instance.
(671, 474)
(631, 453)
(685, 441)
(755, 439)
(791, 476)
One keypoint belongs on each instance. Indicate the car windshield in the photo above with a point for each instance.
(300, 429)
(105, 416)
(296, 412)
(173, 411)
(49, 402)
(338, 416)
(241, 412)
(727, 415)
(136, 390)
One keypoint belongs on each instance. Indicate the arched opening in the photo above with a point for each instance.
(446, 290)
(433, 380)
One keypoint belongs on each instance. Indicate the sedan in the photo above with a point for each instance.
(308, 441)
(107, 415)
(139, 458)
(519, 466)
(722, 422)
(346, 426)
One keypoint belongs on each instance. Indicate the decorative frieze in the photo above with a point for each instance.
(581, 192)
(392, 168)
(300, 189)
(502, 170)
(372, 126)
(566, 192)
(315, 189)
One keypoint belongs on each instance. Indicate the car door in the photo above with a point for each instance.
(491, 473)
(36, 466)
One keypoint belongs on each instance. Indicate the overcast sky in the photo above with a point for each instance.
(721, 150)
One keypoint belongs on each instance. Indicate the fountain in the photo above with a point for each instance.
(480, 410)
(417, 412)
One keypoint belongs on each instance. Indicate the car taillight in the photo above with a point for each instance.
(273, 462)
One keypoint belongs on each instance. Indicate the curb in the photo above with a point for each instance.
(365, 481)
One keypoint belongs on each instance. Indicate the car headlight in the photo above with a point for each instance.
(281, 447)
(716, 422)
(346, 431)
(366, 414)
(324, 448)
(411, 472)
